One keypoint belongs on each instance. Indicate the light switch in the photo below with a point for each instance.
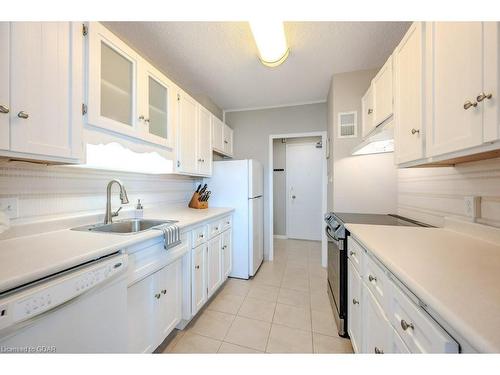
(9, 206)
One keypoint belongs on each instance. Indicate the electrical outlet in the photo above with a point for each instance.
(472, 206)
(9, 206)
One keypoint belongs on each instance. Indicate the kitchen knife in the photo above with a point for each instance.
(198, 189)
(203, 189)
(208, 195)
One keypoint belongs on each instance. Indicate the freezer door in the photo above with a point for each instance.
(256, 234)
(255, 178)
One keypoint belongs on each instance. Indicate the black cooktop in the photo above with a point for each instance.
(376, 219)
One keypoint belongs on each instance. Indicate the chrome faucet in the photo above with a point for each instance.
(108, 218)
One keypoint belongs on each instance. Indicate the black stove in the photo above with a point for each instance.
(337, 255)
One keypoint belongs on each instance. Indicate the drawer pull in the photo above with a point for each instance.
(164, 291)
(228, 222)
(372, 278)
(355, 301)
(405, 325)
(216, 228)
(197, 267)
(200, 235)
(352, 253)
(157, 295)
(378, 351)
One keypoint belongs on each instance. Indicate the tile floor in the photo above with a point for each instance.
(283, 309)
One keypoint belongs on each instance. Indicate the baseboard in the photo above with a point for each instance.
(280, 237)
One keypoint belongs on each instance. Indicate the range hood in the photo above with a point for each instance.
(380, 140)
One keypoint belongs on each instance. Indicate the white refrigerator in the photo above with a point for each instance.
(240, 184)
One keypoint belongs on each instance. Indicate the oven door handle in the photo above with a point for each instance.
(333, 238)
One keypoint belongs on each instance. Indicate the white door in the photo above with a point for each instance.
(408, 98)
(204, 154)
(256, 234)
(4, 87)
(40, 93)
(455, 73)
(304, 165)
(214, 263)
(354, 311)
(199, 289)
(187, 134)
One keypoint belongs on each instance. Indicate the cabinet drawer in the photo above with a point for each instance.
(214, 228)
(200, 235)
(396, 345)
(355, 254)
(227, 222)
(418, 330)
(376, 280)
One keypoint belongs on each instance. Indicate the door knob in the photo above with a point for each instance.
(405, 325)
(4, 109)
(355, 301)
(483, 96)
(469, 104)
(23, 115)
(415, 131)
(372, 278)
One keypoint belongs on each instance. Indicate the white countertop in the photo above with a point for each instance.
(29, 258)
(456, 275)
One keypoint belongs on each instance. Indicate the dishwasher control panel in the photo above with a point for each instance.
(59, 290)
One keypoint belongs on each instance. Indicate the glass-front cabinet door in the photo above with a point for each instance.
(112, 88)
(157, 103)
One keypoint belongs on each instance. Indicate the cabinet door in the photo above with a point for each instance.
(354, 307)
(227, 253)
(382, 93)
(199, 288)
(41, 92)
(408, 99)
(204, 149)
(367, 112)
(454, 73)
(214, 264)
(187, 135)
(170, 289)
(143, 304)
(228, 140)
(491, 81)
(376, 328)
(157, 102)
(4, 87)
(217, 134)
(112, 82)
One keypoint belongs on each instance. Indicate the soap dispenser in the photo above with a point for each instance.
(139, 210)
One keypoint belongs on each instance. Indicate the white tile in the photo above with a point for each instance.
(289, 340)
(265, 292)
(193, 343)
(294, 298)
(324, 323)
(227, 348)
(228, 303)
(258, 309)
(329, 344)
(249, 333)
(293, 317)
(321, 302)
(213, 324)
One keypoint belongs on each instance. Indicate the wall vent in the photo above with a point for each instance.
(348, 125)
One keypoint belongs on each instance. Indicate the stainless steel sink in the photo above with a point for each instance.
(126, 226)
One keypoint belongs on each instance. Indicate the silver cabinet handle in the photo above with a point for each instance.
(157, 295)
(372, 278)
(200, 160)
(4, 109)
(23, 115)
(226, 142)
(483, 96)
(415, 131)
(164, 291)
(355, 301)
(352, 253)
(370, 111)
(469, 104)
(405, 325)
(378, 350)
(200, 235)
(197, 267)
(293, 197)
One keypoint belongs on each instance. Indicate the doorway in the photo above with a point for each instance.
(297, 165)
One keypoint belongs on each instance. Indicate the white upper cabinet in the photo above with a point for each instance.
(454, 71)
(408, 95)
(368, 123)
(187, 135)
(41, 91)
(228, 140)
(382, 94)
(4, 88)
(204, 142)
(222, 137)
(491, 82)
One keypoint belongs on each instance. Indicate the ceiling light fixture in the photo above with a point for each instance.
(271, 41)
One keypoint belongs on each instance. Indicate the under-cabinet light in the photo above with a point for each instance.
(271, 41)
(376, 147)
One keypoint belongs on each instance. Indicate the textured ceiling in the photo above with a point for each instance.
(219, 59)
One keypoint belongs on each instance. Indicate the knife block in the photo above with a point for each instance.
(195, 203)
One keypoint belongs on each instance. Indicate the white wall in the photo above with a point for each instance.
(430, 194)
(364, 183)
(251, 137)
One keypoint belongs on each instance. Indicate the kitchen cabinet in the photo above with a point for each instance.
(214, 264)
(44, 57)
(454, 70)
(217, 135)
(354, 307)
(204, 142)
(408, 95)
(368, 123)
(187, 135)
(199, 282)
(227, 253)
(376, 328)
(382, 94)
(228, 140)
(154, 308)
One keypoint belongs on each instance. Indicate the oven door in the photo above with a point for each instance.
(337, 279)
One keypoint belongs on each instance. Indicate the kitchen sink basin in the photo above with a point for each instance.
(126, 226)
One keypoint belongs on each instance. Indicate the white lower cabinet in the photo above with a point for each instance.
(154, 308)
(227, 253)
(214, 265)
(381, 316)
(198, 283)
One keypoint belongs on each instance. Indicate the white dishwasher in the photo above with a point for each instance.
(82, 310)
